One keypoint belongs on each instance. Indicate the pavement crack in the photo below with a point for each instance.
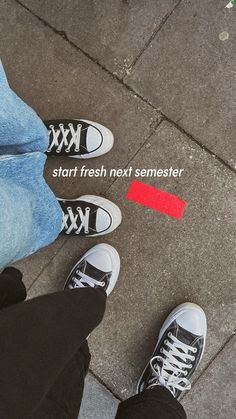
(154, 126)
(201, 145)
(64, 35)
(47, 264)
(153, 35)
(123, 83)
(104, 385)
(212, 360)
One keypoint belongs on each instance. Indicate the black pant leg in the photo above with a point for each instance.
(40, 337)
(64, 399)
(157, 403)
(12, 289)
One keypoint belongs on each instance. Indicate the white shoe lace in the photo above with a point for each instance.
(84, 281)
(170, 371)
(75, 137)
(73, 218)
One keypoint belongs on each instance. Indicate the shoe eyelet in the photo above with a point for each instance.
(161, 350)
(87, 209)
(169, 335)
(194, 350)
(185, 373)
(61, 125)
(190, 366)
(193, 358)
(70, 124)
(165, 341)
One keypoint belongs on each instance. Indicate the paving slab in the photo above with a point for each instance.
(188, 71)
(112, 32)
(164, 261)
(97, 400)
(59, 81)
(213, 396)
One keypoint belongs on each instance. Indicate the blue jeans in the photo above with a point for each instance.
(30, 215)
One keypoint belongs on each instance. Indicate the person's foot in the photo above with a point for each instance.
(78, 138)
(178, 351)
(98, 268)
(89, 216)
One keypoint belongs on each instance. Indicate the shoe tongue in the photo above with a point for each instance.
(92, 214)
(92, 271)
(184, 336)
(83, 205)
(165, 374)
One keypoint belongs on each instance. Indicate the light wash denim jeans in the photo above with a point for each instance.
(30, 216)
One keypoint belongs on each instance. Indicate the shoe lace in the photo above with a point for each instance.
(170, 370)
(84, 280)
(77, 221)
(74, 140)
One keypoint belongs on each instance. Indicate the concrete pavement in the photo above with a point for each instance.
(159, 75)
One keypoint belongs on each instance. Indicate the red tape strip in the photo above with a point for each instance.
(156, 199)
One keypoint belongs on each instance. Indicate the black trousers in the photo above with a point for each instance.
(44, 356)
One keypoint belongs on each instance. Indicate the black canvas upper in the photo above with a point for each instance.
(74, 206)
(54, 125)
(91, 271)
(184, 336)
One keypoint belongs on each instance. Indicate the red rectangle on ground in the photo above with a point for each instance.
(156, 199)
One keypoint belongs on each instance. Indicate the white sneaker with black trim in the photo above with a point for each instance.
(78, 138)
(89, 215)
(179, 350)
(98, 268)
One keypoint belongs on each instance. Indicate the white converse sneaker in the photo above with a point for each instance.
(179, 350)
(78, 138)
(98, 268)
(89, 215)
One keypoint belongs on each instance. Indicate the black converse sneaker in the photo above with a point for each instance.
(78, 138)
(89, 216)
(179, 350)
(98, 268)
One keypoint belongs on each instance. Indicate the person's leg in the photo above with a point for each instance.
(179, 350)
(44, 352)
(21, 130)
(64, 398)
(31, 216)
(156, 403)
(12, 289)
(41, 337)
(98, 268)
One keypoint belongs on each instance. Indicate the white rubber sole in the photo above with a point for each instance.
(115, 258)
(107, 144)
(175, 313)
(172, 316)
(109, 206)
(116, 265)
